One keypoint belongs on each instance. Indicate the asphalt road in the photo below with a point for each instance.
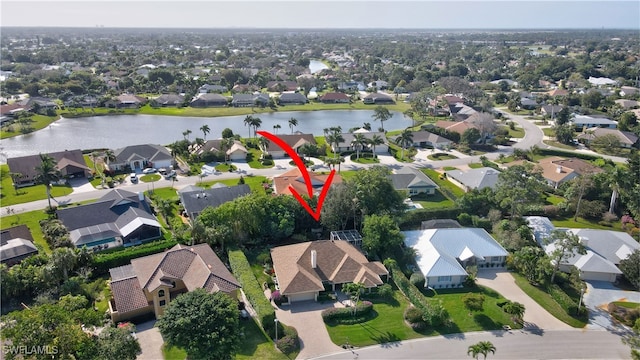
(515, 344)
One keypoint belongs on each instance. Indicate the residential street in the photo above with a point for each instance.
(515, 344)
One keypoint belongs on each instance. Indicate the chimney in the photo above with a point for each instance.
(314, 259)
(141, 196)
(559, 169)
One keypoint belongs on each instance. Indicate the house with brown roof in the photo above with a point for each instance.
(378, 98)
(293, 178)
(237, 151)
(558, 92)
(126, 101)
(150, 283)
(334, 98)
(627, 139)
(454, 126)
(558, 170)
(295, 141)
(304, 270)
(70, 163)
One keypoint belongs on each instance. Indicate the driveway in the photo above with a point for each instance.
(307, 319)
(150, 341)
(535, 316)
(598, 295)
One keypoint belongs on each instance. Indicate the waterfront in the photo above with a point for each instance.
(122, 130)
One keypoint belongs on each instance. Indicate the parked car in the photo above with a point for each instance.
(133, 178)
(149, 171)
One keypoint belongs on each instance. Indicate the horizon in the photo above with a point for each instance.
(318, 15)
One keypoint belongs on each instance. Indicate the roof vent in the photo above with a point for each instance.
(314, 259)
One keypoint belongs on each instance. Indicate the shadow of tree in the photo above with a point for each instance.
(486, 322)
(387, 339)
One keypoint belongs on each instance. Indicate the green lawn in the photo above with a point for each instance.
(549, 132)
(554, 199)
(150, 178)
(32, 220)
(559, 145)
(435, 201)
(253, 159)
(443, 183)
(547, 302)
(583, 224)
(366, 160)
(254, 182)
(518, 133)
(11, 196)
(475, 165)
(441, 156)
(38, 122)
(254, 345)
(492, 317)
(627, 304)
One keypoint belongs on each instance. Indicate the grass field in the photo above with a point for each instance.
(441, 156)
(627, 304)
(38, 122)
(435, 201)
(11, 196)
(443, 183)
(581, 223)
(32, 220)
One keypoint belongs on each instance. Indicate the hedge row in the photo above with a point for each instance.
(564, 300)
(363, 309)
(413, 219)
(105, 261)
(433, 312)
(570, 154)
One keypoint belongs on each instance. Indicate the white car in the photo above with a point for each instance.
(133, 178)
(149, 171)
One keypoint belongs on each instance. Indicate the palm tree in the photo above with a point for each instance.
(255, 122)
(199, 142)
(186, 133)
(164, 208)
(293, 122)
(483, 347)
(335, 138)
(109, 156)
(334, 161)
(205, 130)
(308, 149)
(359, 141)
(47, 173)
(225, 145)
(405, 140)
(381, 114)
(276, 127)
(375, 141)
(264, 144)
(94, 157)
(515, 309)
(248, 120)
(615, 178)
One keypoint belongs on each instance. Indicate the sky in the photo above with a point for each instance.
(412, 14)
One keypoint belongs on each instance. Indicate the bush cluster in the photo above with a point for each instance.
(434, 314)
(363, 309)
(289, 341)
(104, 261)
(562, 299)
(413, 219)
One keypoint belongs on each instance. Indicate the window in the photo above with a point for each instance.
(444, 278)
(161, 293)
(163, 302)
(496, 259)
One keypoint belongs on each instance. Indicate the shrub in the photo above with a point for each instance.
(242, 271)
(413, 219)
(551, 210)
(287, 344)
(385, 291)
(413, 314)
(106, 260)
(363, 309)
(464, 219)
(417, 279)
(473, 302)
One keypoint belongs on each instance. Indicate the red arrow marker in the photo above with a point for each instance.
(305, 175)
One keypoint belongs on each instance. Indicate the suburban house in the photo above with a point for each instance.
(207, 88)
(281, 86)
(629, 91)
(378, 84)
(347, 144)
(460, 111)
(304, 270)
(293, 178)
(627, 139)
(291, 98)
(558, 170)
(126, 101)
(528, 104)
(378, 98)
(334, 98)
(474, 178)
(195, 199)
(413, 181)
(352, 86)
(605, 249)
(601, 81)
(557, 92)
(443, 254)
(427, 139)
(440, 224)
(249, 100)
(209, 100)
(147, 285)
(118, 218)
(454, 126)
(237, 151)
(16, 244)
(70, 163)
(138, 157)
(585, 122)
(627, 104)
(244, 88)
(167, 100)
(295, 141)
(551, 110)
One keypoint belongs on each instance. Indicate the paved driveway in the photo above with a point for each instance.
(598, 295)
(307, 319)
(150, 341)
(535, 316)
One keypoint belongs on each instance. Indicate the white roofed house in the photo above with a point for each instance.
(584, 122)
(443, 254)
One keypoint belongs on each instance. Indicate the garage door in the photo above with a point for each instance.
(588, 275)
(302, 297)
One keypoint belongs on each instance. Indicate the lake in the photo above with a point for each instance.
(123, 130)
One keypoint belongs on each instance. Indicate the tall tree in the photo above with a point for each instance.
(276, 127)
(248, 120)
(485, 125)
(382, 114)
(186, 133)
(518, 187)
(205, 325)
(375, 141)
(117, 343)
(46, 173)
(205, 130)
(359, 141)
(255, 123)
(334, 137)
(564, 133)
(565, 245)
(61, 262)
(405, 140)
(293, 122)
(630, 268)
(380, 233)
